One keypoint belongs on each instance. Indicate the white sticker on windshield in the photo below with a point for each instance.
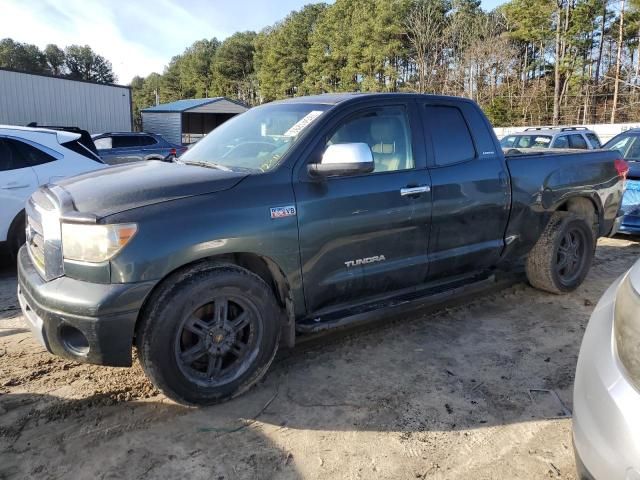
(303, 123)
(543, 139)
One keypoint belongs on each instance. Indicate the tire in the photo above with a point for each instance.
(17, 235)
(191, 341)
(562, 256)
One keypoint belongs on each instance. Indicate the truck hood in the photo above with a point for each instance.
(116, 189)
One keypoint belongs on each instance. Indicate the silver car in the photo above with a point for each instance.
(577, 138)
(606, 397)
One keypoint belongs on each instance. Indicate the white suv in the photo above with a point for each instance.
(30, 157)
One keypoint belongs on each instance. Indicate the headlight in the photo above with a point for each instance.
(95, 243)
(627, 329)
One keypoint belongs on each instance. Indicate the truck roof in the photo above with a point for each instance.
(336, 98)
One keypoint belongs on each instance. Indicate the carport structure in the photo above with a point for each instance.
(186, 121)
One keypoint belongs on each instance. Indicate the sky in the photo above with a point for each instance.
(140, 36)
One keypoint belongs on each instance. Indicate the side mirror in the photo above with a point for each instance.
(343, 159)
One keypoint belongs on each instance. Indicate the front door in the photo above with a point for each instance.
(366, 235)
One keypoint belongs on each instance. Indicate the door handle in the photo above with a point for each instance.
(408, 191)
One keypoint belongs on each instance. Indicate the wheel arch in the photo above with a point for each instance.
(585, 206)
(266, 268)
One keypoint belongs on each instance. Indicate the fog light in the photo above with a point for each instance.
(74, 340)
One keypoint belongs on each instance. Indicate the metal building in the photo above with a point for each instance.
(48, 100)
(186, 121)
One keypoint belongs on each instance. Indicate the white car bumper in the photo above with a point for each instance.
(606, 417)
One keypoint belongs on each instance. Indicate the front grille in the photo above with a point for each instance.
(35, 243)
(43, 235)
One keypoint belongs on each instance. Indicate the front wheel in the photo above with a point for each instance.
(562, 256)
(209, 334)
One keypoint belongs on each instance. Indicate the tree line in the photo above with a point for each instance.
(528, 62)
(76, 62)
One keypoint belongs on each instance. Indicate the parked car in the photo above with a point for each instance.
(117, 148)
(294, 217)
(606, 396)
(578, 138)
(30, 157)
(628, 144)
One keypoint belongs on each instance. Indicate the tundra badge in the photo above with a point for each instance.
(364, 261)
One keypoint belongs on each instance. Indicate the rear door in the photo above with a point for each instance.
(470, 188)
(365, 235)
(17, 182)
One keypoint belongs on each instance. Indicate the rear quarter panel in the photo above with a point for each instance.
(541, 183)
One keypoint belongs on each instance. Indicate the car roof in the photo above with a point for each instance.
(62, 135)
(551, 131)
(95, 135)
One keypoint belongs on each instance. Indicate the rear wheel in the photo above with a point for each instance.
(210, 334)
(560, 260)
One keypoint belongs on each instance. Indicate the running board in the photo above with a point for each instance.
(429, 297)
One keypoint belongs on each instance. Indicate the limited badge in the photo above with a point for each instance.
(281, 212)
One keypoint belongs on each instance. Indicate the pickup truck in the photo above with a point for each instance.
(294, 217)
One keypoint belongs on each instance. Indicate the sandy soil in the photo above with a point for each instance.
(439, 395)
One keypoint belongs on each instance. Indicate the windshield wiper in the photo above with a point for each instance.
(206, 165)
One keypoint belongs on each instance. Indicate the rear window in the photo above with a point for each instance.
(15, 154)
(125, 141)
(146, 140)
(577, 141)
(452, 142)
(77, 147)
(594, 140)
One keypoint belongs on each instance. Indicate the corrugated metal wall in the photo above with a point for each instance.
(26, 98)
(166, 124)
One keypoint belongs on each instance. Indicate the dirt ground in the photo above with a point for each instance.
(439, 395)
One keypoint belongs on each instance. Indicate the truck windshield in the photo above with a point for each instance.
(526, 141)
(255, 141)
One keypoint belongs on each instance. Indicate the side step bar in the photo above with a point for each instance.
(430, 298)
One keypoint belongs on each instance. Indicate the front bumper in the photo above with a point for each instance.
(606, 407)
(105, 314)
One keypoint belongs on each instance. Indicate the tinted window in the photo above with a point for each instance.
(561, 142)
(24, 155)
(125, 141)
(386, 131)
(146, 140)
(594, 140)
(577, 141)
(449, 134)
(103, 143)
(633, 152)
(9, 159)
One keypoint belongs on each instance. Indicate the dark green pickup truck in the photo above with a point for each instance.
(294, 217)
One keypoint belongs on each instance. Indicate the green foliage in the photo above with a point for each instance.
(22, 56)
(232, 69)
(281, 53)
(76, 62)
(82, 63)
